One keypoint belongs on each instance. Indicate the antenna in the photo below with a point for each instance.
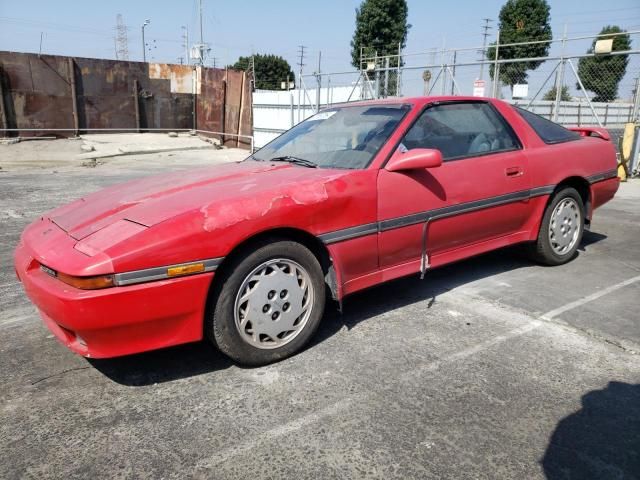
(122, 44)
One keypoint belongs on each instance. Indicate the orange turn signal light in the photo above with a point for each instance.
(87, 283)
(185, 269)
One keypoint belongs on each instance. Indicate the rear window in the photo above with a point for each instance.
(547, 130)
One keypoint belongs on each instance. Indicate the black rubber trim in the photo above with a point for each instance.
(540, 191)
(160, 273)
(452, 210)
(349, 233)
(598, 177)
(429, 215)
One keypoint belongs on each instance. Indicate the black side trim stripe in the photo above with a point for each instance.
(159, 273)
(540, 191)
(349, 233)
(598, 177)
(429, 215)
(452, 210)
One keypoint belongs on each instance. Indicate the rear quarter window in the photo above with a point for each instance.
(548, 131)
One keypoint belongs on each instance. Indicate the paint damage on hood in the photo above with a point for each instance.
(224, 195)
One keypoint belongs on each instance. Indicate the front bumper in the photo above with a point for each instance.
(120, 320)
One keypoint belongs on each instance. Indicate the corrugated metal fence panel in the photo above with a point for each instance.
(35, 89)
(38, 92)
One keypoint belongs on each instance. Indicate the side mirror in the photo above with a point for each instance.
(416, 159)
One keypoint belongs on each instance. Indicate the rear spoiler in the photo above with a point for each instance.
(592, 132)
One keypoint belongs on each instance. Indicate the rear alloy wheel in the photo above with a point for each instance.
(270, 304)
(561, 229)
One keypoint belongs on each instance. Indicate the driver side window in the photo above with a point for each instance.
(461, 130)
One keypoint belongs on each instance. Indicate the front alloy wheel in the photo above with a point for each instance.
(274, 303)
(267, 303)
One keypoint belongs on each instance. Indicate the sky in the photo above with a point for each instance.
(87, 28)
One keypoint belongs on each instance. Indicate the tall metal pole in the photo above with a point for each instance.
(453, 73)
(201, 37)
(319, 79)
(144, 45)
(443, 69)
(386, 76)
(398, 74)
(560, 77)
(300, 64)
(636, 103)
(496, 68)
(485, 34)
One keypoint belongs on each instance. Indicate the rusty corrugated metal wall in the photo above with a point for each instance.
(55, 92)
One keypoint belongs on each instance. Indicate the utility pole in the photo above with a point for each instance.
(485, 34)
(202, 46)
(144, 46)
(301, 65)
(201, 37)
(252, 70)
(319, 79)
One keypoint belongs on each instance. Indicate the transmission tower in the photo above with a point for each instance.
(122, 49)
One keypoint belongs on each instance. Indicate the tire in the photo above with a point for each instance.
(559, 237)
(268, 303)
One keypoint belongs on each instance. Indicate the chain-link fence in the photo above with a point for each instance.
(582, 80)
(579, 80)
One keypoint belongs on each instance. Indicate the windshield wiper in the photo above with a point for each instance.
(296, 160)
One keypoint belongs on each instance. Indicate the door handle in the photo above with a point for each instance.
(513, 171)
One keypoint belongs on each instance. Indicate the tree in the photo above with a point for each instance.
(565, 95)
(381, 28)
(521, 21)
(602, 74)
(270, 70)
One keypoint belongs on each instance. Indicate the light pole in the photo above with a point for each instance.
(144, 47)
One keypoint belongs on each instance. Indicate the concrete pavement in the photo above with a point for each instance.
(489, 368)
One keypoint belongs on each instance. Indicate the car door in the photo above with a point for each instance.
(479, 193)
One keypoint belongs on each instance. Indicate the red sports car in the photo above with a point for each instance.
(246, 253)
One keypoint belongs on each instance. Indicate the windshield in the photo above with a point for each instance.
(343, 137)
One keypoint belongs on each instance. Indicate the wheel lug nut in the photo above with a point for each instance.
(266, 308)
(283, 293)
(275, 316)
(285, 307)
(271, 294)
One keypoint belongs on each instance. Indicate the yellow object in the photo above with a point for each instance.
(622, 172)
(625, 150)
(185, 269)
(627, 141)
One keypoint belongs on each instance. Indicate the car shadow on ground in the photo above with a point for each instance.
(601, 440)
(199, 358)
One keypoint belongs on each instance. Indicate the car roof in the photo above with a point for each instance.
(419, 101)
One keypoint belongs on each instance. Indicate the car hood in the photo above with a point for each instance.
(151, 200)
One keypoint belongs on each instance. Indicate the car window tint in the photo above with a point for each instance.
(461, 130)
(547, 130)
